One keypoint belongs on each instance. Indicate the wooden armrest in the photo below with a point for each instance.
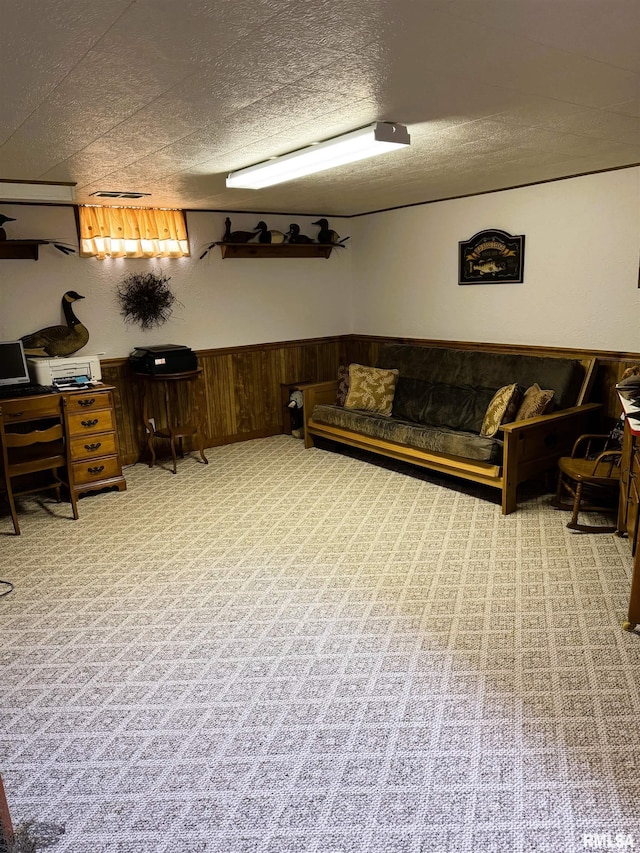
(536, 423)
(318, 386)
(614, 454)
(318, 392)
(586, 437)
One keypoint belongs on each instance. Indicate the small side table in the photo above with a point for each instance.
(173, 432)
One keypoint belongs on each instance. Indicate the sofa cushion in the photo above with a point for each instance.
(480, 369)
(434, 403)
(465, 445)
(371, 389)
(535, 402)
(502, 408)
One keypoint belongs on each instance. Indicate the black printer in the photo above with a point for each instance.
(169, 358)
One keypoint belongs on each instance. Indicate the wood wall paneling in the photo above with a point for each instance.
(241, 391)
(217, 373)
(241, 385)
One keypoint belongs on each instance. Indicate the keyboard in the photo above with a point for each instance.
(11, 391)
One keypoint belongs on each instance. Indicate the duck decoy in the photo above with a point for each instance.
(236, 236)
(327, 236)
(267, 236)
(3, 219)
(295, 236)
(59, 340)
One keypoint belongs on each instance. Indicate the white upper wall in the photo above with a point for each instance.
(397, 277)
(228, 302)
(580, 289)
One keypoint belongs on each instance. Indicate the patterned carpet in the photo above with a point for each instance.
(293, 650)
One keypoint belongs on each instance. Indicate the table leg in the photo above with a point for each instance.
(148, 426)
(200, 419)
(172, 438)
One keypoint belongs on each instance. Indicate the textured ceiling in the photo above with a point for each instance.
(167, 96)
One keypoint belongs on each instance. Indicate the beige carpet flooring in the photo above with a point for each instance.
(294, 650)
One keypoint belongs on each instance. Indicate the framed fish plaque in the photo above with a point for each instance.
(491, 257)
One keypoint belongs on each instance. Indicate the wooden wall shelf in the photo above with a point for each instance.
(276, 250)
(20, 249)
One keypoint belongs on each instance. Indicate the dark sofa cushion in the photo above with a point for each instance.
(465, 445)
(456, 407)
(478, 369)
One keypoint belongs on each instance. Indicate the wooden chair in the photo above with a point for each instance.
(591, 475)
(33, 441)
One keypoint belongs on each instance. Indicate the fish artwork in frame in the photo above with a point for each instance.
(491, 257)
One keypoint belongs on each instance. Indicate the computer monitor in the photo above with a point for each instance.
(13, 364)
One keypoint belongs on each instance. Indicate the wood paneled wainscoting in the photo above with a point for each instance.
(242, 384)
(241, 389)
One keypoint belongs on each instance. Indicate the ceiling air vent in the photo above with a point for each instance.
(110, 194)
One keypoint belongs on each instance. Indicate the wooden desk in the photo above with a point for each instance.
(172, 431)
(94, 455)
(93, 440)
(629, 507)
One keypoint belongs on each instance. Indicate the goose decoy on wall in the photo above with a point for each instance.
(236, 236)
(267, 236)
(230, 237)
(3, 219)
(295, 236)
(59, 340)
(62, 247)
(327, 236)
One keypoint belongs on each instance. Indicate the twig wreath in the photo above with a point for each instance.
(145, 299)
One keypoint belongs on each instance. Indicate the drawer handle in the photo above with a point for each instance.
(88, 402)
(15, 414)
(91, 423)
(93, 446)
(96, 469)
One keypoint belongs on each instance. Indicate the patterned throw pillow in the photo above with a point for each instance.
(371, 389)
(343, 385)
(501, 409)
(535, 402)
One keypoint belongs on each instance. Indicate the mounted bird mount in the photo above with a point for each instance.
(59, 340)
(3, 219)
(295, 236)
(230, 236)
(268, 236)
(272, 243)
(26, 249)
(327, 236)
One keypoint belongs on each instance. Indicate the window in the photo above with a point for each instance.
(132, 232)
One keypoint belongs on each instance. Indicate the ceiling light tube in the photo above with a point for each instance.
(359, 144)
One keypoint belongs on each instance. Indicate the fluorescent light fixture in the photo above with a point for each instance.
(359, 144)
(36, 191)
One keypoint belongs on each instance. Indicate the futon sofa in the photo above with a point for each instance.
(441, 401)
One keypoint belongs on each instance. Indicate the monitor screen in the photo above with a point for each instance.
(13, 364)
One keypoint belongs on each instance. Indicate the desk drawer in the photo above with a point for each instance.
(96, 469)
(93, 445)
(85, 423)
(16, 410)
(88, 401)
